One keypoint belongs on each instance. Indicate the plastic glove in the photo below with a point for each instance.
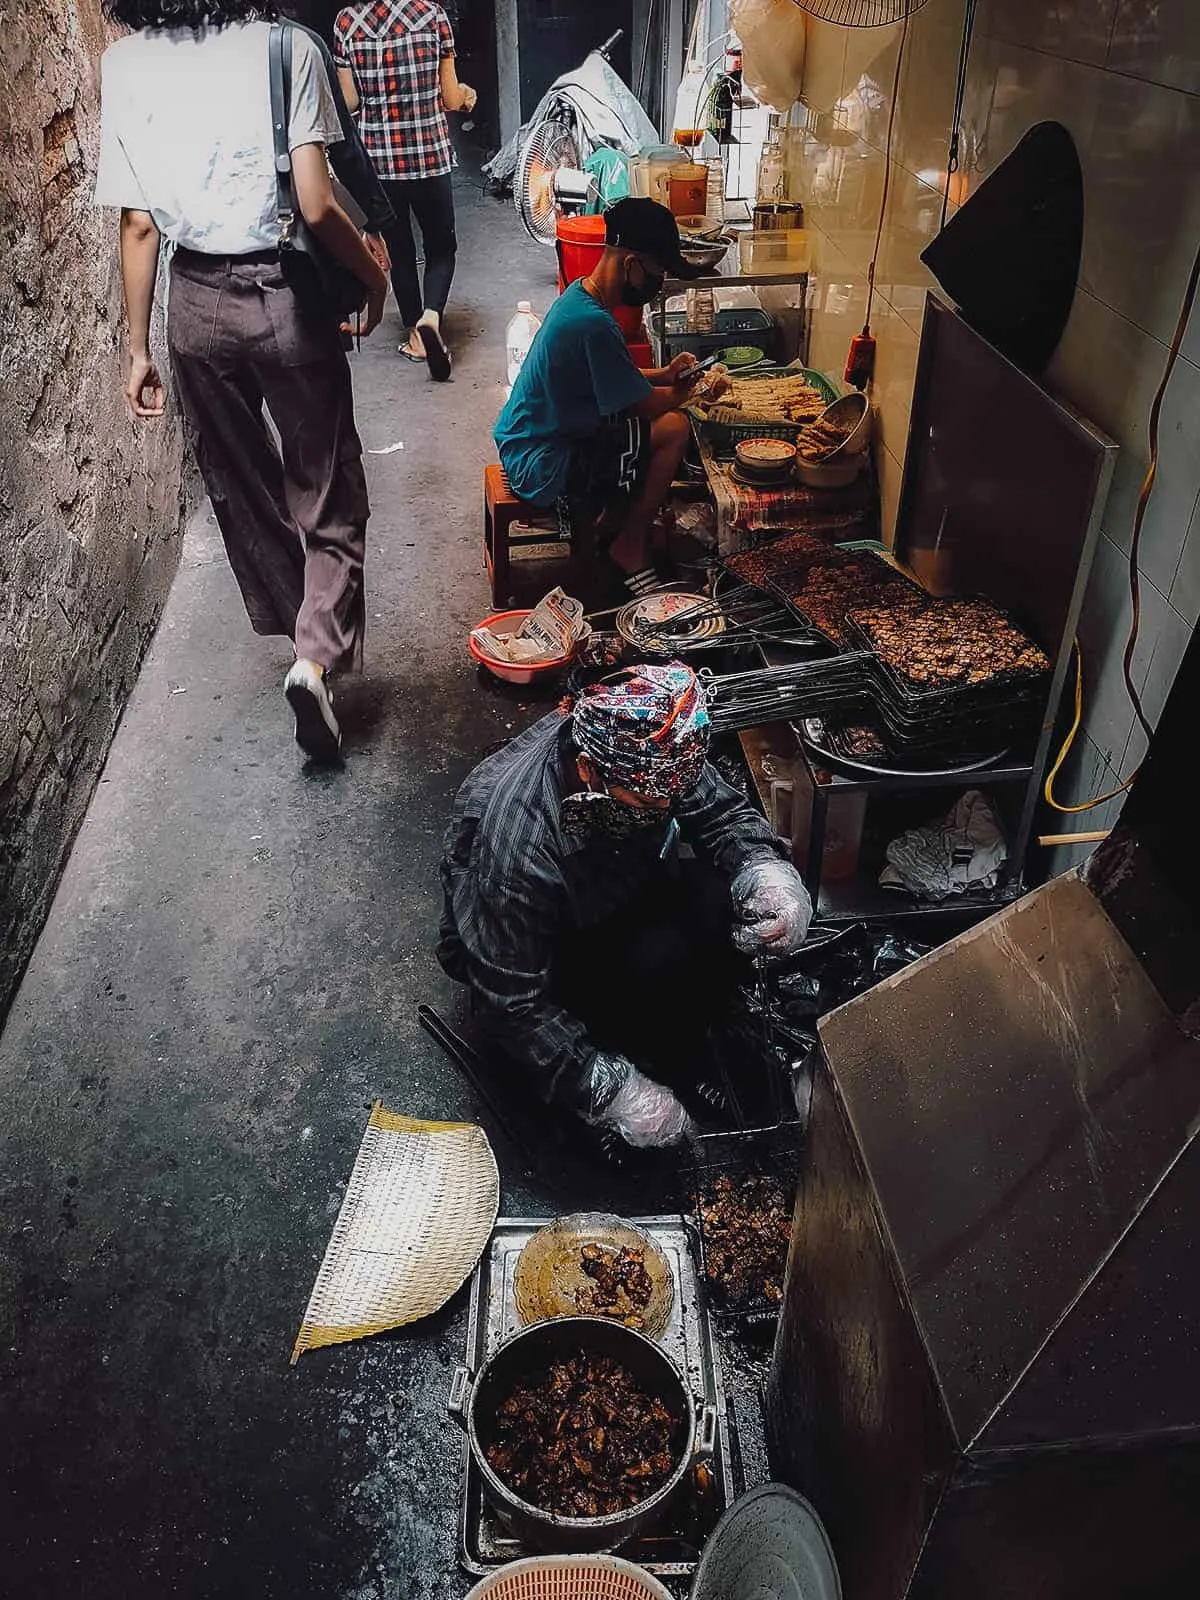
(643, 1112)
(772, 909)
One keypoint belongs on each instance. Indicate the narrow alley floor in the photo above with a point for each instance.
(227, 981)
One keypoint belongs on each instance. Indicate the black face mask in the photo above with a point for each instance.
(641, 294)
(590, 816)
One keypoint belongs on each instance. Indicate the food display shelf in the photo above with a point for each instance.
(727, 274)
(860, 898)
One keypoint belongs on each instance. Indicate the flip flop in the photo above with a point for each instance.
(436, 352)
(408, 355)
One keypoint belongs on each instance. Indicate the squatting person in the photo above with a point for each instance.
(592, 951)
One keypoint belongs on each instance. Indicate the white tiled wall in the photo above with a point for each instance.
(1124, 77)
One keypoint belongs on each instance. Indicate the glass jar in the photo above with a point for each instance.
(772, 173)
(687, 188)
(701, 311)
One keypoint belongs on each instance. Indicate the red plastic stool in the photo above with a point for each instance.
(501, 508)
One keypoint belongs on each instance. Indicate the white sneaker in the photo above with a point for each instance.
(317, 731)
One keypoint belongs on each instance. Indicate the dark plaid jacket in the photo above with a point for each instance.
(516, 887)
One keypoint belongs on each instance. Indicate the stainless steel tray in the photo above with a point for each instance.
(673, 1550)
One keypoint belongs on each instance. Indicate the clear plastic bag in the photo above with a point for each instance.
(772, 908)
(643, 1112)
(773, 37)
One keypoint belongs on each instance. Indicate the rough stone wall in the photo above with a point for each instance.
(90, 503)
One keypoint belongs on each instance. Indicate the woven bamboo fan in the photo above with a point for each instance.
(860, 13)
(419, 1209)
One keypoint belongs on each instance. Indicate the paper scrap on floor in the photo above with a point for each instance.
(549, 633)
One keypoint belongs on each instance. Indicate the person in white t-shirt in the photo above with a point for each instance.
(187, 154)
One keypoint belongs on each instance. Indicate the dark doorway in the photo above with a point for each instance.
(555, 35)
(315, 14)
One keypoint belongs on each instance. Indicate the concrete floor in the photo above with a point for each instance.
(227, 981)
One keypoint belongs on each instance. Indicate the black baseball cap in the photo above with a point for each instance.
(649, 228)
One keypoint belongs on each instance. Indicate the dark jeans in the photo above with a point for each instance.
(651, 982)
(431, 202)
(294, 525)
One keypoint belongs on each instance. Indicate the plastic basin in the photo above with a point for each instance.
(516, 672)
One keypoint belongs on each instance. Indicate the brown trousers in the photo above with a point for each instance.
(293, 518)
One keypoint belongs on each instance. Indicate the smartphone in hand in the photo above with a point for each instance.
(701, 367)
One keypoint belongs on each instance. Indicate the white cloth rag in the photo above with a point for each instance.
(964, 852)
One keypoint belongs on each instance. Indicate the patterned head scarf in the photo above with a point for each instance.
(646, 728)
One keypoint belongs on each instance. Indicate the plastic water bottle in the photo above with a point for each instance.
(519, 337)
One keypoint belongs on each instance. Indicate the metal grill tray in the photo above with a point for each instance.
(743, 1153)
(821, 742)
(1006, 684)
(672, 1551)
(775, 693)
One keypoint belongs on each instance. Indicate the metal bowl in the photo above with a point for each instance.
(853, 405)
(836, 471)
(474, 1400)
(705, 255)
(640, 622)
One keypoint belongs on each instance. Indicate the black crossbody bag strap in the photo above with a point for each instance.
(328, 288)
(280, 51)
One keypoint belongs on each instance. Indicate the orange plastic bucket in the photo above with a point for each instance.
(580, 244)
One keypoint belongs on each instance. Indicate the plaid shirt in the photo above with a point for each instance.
(516, 886)
(395, 49)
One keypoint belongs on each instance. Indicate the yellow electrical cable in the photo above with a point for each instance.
(1068, 742)
(1139, 518)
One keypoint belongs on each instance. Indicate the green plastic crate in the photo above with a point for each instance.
(724, 436)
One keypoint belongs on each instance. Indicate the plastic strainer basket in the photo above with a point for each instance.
(570, 1578)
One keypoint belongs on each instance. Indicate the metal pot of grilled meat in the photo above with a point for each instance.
(475, 1400)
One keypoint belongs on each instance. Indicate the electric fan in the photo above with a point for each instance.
(551, 149)
(860, 13)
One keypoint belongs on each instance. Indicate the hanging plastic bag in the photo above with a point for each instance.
(609, 169)
(692, 101)
(691, 98)
(772, 34)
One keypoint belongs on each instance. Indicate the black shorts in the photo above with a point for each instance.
(611, 463)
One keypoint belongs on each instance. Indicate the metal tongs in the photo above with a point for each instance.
(473, 1068)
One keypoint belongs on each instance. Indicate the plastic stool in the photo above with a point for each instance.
(501, 508)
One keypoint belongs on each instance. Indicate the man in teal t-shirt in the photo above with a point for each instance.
(583, 423)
